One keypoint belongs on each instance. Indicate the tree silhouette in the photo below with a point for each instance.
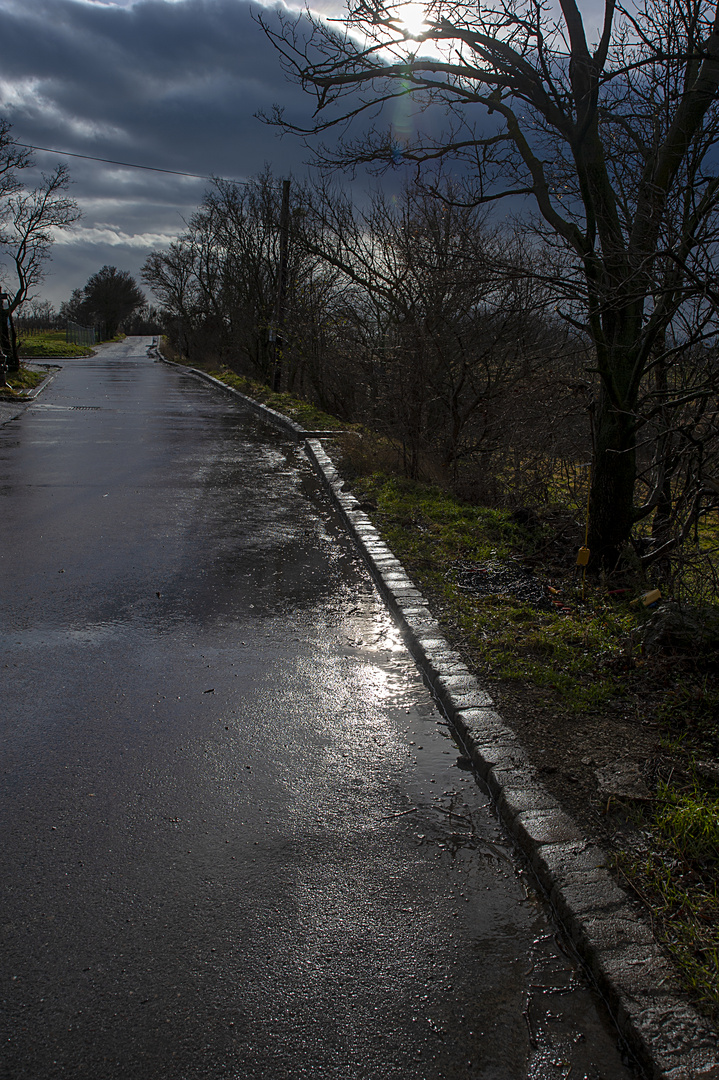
(110, 297)
(613, 140)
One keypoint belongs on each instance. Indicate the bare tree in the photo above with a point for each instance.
(444, 318)
(410, 314)
(218, 282)
(13, 158)
(29, 220)
(611, 139)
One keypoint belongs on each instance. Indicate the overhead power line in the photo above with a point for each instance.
(124, 164)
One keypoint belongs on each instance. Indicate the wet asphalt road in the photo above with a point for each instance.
(235, 840)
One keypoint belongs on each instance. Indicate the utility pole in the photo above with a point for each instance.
(3, 358)
(6, 357)
(278, 325)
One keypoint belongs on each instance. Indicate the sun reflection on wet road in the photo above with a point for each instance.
(238, 840)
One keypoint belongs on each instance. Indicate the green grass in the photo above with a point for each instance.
(685, 917)
(571, 652)
(673, 871)
(49, 344)
(689, 824)
(299, 410)
(20, 381)
(25, 378)
(437, 526)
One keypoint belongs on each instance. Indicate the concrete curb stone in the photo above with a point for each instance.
(10, 410)
(670, 1039)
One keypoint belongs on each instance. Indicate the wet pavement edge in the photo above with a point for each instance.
(671, 1040)
(10, 409)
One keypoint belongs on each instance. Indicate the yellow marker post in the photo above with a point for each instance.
(648, 597)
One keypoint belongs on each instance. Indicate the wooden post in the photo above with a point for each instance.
(278, 327)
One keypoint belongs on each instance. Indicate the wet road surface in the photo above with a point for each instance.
(235, 838)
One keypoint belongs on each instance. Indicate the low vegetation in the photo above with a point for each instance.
(19, 382)
(49, 344)
(672, 867)
(297, 408)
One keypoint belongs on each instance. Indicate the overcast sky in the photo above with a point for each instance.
(174, 84)
(167, 83)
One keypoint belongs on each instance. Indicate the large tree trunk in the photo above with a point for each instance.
(8, 341)
(13, 360)
(611, 502)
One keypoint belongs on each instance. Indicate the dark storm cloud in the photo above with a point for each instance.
(178, 81)
(170, 84)
(174, 84)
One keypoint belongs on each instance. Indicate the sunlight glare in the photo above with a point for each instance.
(412, 18)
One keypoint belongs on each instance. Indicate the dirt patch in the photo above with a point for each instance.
(603, 766)
(598, 766)
(574, 754)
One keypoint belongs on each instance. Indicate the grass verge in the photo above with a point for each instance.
(567, 646)
(299, 410)
(21, 381)
(49, 344)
